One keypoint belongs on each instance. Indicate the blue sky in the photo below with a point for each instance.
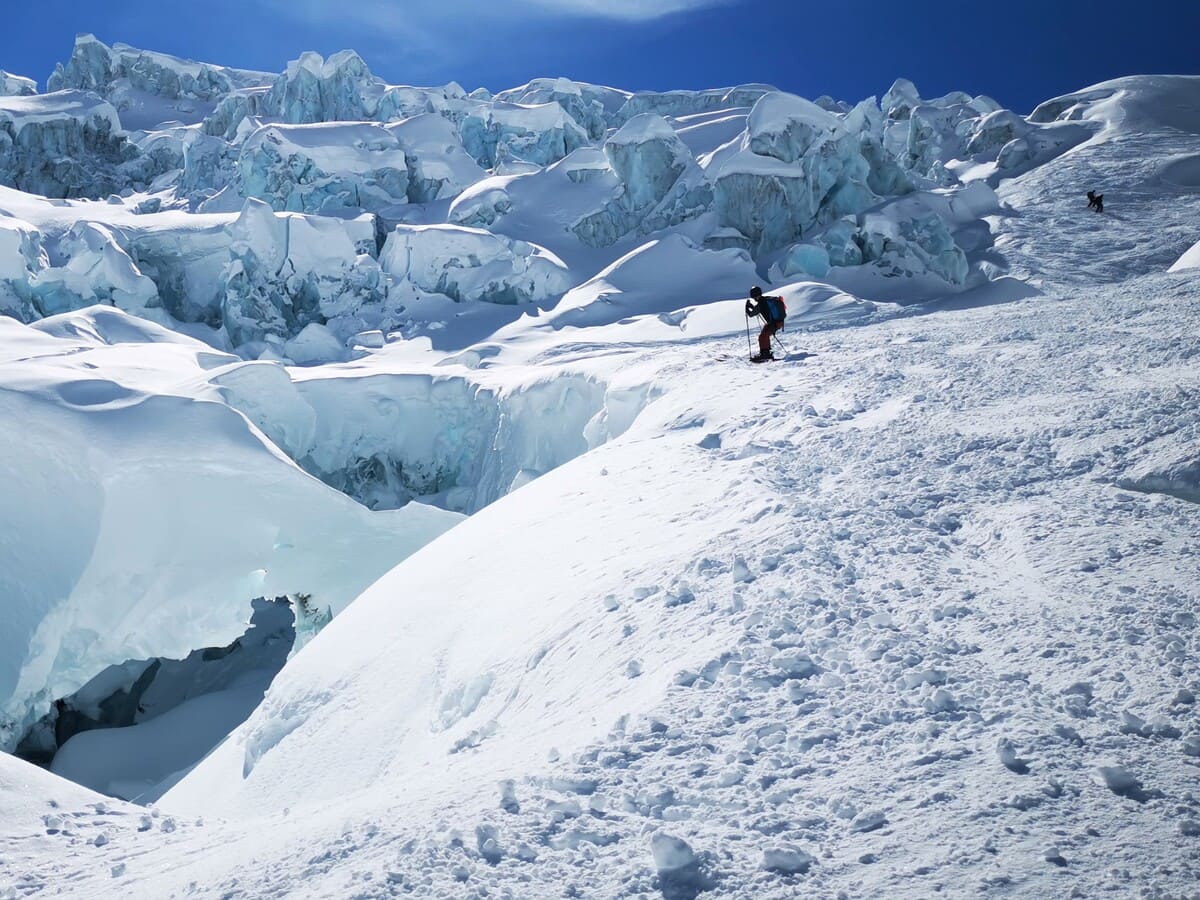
(1019, 51)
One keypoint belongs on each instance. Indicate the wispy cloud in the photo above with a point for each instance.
(429, 34)
(630, 10)
(424, 17)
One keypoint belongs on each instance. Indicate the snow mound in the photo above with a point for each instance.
(1137, 103)
(659, 277)
(479, 696)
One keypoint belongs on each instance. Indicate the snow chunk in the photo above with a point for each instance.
(314, 344)
(788, 859)
(95, 269)
(286, 271)
(900, 99)
(785, 126)
(671, 853)
(1189, 261)
(21, 257)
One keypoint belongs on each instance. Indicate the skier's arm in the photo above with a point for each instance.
(751, 309)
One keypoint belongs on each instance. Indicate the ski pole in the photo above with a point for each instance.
(749, 345)
(780, 343)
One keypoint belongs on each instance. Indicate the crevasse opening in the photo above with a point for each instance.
(138, 727)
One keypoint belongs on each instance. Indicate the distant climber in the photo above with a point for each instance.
(1095, 201)
(774, 312)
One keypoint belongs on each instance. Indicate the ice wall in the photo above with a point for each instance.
(16, 85)
(795, 167)
(66, 144)
(457, 440)
(438, 165)
(686, 103)
(471, 264)
(323, 168)
(660, 183)
(21, 258)
(499, 132)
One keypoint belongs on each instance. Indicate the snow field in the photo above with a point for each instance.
(988, 611)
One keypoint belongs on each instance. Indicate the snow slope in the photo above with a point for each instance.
(910, 612)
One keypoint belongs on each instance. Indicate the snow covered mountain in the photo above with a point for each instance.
(424, 412)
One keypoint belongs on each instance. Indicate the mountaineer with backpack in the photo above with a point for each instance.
(774, 312)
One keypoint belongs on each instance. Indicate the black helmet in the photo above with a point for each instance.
(756, 292)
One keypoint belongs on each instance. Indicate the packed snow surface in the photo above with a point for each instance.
(587, 605)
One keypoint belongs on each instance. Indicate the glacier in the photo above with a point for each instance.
(384, 482)
(745, 168)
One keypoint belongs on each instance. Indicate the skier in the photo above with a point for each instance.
(1095, 201)
(774, 312)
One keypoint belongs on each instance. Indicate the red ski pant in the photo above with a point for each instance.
(764, 337)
